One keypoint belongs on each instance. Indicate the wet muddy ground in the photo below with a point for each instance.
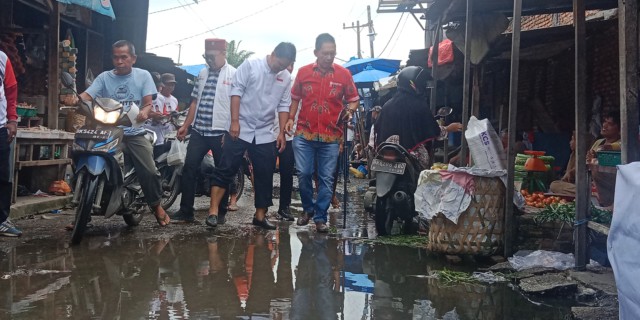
(238, 271)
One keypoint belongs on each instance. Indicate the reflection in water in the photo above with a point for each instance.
(285, 274)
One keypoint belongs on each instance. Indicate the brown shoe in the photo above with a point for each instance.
(304, 218)
(321, 227)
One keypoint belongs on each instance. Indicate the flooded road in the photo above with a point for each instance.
(290, 273)
(239, 272)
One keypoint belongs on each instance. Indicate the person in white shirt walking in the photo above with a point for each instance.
(208, 120)
(260, 86)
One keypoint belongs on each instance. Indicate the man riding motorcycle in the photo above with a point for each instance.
(408, 116)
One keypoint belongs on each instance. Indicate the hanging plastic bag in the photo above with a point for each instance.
(177, 153)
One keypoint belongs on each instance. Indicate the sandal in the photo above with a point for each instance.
(164, 220)
(232, 207)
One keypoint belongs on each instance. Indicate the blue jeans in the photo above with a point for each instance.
(306, 152)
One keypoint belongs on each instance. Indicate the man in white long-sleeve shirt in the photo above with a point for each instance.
(260, 87)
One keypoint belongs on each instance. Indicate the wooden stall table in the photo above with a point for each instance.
(39, 149)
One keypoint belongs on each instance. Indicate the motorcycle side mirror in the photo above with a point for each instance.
(67, 80)
(444, 111)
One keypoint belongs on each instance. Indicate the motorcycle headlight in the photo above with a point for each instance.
(106, 117)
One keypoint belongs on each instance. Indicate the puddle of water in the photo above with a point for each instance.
(286, 274)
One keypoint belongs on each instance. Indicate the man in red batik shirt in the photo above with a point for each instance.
(322, 86)
(8, 128)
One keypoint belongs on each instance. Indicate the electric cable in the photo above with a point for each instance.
(219, 27)
(392, 34)
(178, 7)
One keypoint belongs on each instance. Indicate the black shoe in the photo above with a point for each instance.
(212, 221)
(321, 227)
(265, 224)
(285, 214)
(181, 217)
(304, 218)
(222, 219)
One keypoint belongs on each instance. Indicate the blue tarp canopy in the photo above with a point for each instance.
(99, 6)
(358, 65)
(369, 75)
(194, 69)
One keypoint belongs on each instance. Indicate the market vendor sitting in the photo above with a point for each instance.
(605, 183)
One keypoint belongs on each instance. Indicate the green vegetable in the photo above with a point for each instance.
(414, 241)
(567, 212)
(451, 277)
(557, 212)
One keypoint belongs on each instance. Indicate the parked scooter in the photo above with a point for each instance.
(106, 184)
(391, 194)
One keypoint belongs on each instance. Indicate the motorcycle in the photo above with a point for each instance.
(391, 194)
(170, 174)
(106, 184)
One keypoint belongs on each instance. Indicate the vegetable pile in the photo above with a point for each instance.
(539, 200)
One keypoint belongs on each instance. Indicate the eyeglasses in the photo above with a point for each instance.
(208, 58)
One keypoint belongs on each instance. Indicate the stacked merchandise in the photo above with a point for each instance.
(520, 173)
(8, 46)
(68, 59)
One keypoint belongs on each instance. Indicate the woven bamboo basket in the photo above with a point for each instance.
(480, 228)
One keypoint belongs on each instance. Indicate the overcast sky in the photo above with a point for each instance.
(267, 22)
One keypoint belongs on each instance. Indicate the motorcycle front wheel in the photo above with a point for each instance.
(170, 186)
(239, 181)
(85, 206)
(133, 219)
(383, 218)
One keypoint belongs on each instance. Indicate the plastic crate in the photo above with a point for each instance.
(609, 158)
(26, 112)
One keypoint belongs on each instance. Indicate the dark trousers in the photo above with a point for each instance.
(196, 150)
(263, 159)
(6, 187)
(286, 168)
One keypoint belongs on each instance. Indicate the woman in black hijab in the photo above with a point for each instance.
(408, 116)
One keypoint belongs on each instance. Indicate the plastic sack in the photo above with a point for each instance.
(177, 153)
(445, 53)
(59, 187)
(484, 145)
(542, 258)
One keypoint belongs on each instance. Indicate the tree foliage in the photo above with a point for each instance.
(235, 56)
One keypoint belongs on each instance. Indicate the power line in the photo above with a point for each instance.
(219, 27)
(197, 16)
(400, 33)
(392, 34)
(178, 7)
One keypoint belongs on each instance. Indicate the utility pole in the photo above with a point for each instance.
(179, 52)
(372, 33)
(358, 27)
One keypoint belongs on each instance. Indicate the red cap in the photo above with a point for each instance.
(215, 44)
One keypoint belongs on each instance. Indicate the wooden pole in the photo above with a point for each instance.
(581, 111)
(465, 83)
(434, 69)
(358, 35)
(513, 112)
(628, 33)
(53, 74)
